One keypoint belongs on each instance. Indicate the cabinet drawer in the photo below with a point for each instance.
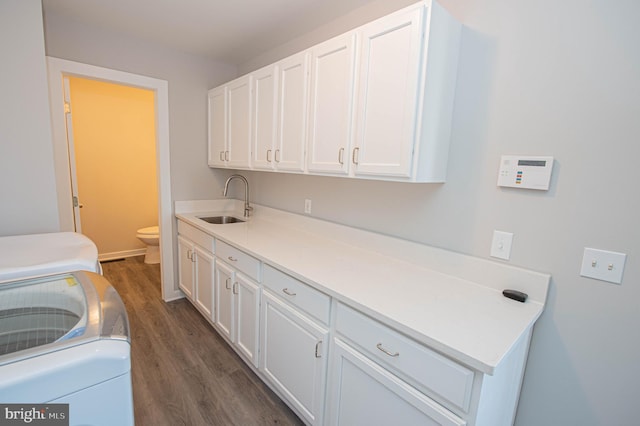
(414, 362)
(297, 293)
(240, 260)
(197, 236)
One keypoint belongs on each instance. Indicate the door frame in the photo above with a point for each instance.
(57, 69)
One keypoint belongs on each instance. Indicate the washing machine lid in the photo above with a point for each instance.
(51, 313)
(26, 256)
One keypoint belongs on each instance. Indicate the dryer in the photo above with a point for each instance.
(65, 339)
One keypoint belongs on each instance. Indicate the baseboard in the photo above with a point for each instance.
(121, 254)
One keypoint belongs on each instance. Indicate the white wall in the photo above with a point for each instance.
(189, 79)
(536, 78)
(27, 183)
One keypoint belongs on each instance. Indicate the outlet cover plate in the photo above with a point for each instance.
(603, 265)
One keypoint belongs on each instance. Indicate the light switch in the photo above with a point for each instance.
(501, 245)
(603, 265)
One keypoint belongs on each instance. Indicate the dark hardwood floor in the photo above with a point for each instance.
(183, 372)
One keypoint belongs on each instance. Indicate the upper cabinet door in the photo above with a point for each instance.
(265, 107)
(389, 82)
(331, 105)
(217, 126)
(292, 122)
(239, 107)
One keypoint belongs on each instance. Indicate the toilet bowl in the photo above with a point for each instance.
(151, 237)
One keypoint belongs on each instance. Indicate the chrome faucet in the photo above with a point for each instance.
(247, 207)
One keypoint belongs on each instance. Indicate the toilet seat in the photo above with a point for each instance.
(150, 231)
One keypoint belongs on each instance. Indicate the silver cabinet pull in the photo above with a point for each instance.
(226, 283)
(341, 156)
(268, 156)
(226, 156)
(235, 288)
(221, 155)
(277, 156)
(318, 346)
(231, 258)
(379, 346)
(287, 292)
(354, 156)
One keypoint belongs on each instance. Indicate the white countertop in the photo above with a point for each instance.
(448, 301)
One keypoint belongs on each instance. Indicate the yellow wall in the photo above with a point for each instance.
(114, 139)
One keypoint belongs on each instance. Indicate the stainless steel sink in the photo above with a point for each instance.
(221, 220)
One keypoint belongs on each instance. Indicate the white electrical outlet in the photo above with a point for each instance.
(307, 206)
(501, 245)
(603, 265)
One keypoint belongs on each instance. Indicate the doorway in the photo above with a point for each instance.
(111, 135)
(58, 69)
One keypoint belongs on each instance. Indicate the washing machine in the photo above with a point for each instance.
(65, 339)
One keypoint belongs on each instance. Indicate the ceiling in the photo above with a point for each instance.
(232, 31)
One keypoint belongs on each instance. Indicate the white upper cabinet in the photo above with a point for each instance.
(293, 91)
(230, 117)
(388, 94)
(407, 78)
(217, 126)
(373, 103)
(265, 115)
(331, 105)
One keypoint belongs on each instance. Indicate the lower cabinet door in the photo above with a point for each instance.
(293, 356)
(185, 266)
(247, 301)
(205, 266)
(224, 299)
(364, 393)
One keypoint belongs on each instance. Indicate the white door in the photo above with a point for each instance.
(185, 266)
(331, 105)
(224, 299)
(363, 393)
(292, 119)
(239, 112)
(72, 156)
(265, 93)
(389, 57)
(205, 268)
(293, 356)
(217, 146)
(247, 306)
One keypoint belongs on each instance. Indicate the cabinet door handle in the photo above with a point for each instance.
(354, 156)
(287, 292)
(268, 156)
(318, 346)
(277, 156)
(226, 284)
(226, 156)
(231, 258)
(235, 288)
(341, 156)
(221, 155)
(379, 346)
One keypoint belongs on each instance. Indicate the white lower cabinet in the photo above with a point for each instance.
(364, 393)
(196, 271)
(294, 356)
(237, 306)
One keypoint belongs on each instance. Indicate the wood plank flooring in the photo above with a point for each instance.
(183, 372)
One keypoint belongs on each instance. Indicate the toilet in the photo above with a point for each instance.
(151, 237)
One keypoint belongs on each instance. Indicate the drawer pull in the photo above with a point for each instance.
(226, 283)
(232, 259)
(379, 346)
(287, 292)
